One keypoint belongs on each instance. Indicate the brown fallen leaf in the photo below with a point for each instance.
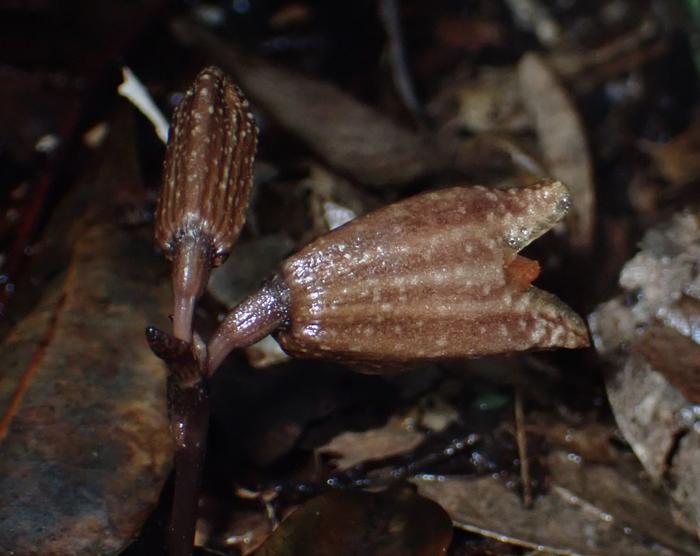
(84, 444)
(372, 524)
(678, 160)
(591, 510)
(562, 138)
(675, 356)
(352, 448)
(650, 335)
(353, 138)
(402, 433)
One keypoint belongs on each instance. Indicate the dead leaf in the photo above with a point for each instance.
(651, 336)
(372, 524)
(353, 448)
(84, 441)
(86, 446)
(401, 434)
(353, 138)
(591, 510)
(563, 140)
(675, 356)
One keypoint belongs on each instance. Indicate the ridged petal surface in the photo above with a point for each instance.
(208, 166)
(434, 276)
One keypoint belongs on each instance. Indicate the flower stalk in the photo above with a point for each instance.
(208, 174)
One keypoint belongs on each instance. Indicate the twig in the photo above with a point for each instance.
(133, 90)
(405, 87)
(521, 439)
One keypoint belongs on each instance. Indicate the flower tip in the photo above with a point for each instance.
(555, 324)
(208, 170)
(540, 207)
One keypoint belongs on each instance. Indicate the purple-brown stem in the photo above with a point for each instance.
(188, 409)
(250, 321)
(191, 267)
(207, 177)
(189, 420)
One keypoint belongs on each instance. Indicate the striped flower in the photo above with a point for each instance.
(206, 185)
(434, 276)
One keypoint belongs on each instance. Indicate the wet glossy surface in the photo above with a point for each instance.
(208, 166)
(434, 276)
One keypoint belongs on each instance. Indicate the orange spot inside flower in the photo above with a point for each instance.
(521, 272)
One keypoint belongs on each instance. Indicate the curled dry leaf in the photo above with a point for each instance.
(434, 276)
(651, 337)
(563, 141)
(206, 185)
(351, 523)
(352, 137)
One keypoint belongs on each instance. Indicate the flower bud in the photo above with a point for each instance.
(206, 185)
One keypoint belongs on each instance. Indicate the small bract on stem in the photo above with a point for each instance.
(433, 276)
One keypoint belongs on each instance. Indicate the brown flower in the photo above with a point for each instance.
(206, 185)
(434, 276)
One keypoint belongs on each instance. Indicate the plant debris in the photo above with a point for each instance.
(651, 337)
